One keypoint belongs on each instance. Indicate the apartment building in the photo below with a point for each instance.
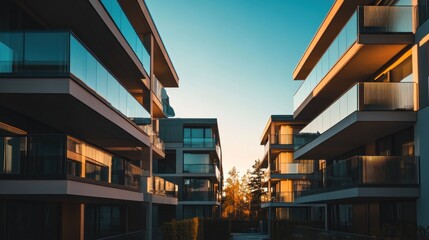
(365, 104)
(81, 89)
(193, 160)
(286, 178)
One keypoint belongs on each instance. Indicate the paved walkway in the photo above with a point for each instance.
(249, 236)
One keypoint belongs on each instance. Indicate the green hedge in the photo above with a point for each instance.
(196, 229)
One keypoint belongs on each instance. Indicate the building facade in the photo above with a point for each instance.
(365, 104)
(194, 162)
(287, 178)
(81, 89)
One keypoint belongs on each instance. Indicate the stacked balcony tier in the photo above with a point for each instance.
(52, 77)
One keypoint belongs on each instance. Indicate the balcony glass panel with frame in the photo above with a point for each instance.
(61, 157)
(60, 54)
(366, 20)
(367, 96)
(366, 171)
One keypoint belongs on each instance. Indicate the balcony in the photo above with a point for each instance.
(202, 169)
(291, 168)
(123, 24)
(367, 111)
(196, 142)
(366, 176)
(200, 196)
(159, 186)
(277, 143)
(59, 71)
(60, 159)
(279, 199)
(370, 39)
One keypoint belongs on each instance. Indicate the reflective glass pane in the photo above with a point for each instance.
(11, 52)
(46, 52)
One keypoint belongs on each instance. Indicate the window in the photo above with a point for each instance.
(167, 165)
(96, 172)
(198, 137)
(345, 214)
(74, 168)
(197, 163)
(197, 189)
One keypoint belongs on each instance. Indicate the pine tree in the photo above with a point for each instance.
(256, 190)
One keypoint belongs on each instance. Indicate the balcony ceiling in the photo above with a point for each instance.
(356, 130)
(66, 106)
(358, 64)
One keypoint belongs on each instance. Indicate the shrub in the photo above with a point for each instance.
(181, 230)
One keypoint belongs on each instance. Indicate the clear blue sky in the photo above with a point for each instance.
(235, 60)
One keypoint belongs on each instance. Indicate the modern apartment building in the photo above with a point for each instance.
(365, 104)
(81, 89)
(286, 178)
(193, 160)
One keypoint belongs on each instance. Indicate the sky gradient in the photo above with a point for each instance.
(235, 60)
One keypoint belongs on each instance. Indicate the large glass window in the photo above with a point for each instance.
(103, 221)
(96, 172)
(197, 189)
(198, 137)
(166, 165)
(29, 220)
(197, 163)
(49, 155)
(12, 153)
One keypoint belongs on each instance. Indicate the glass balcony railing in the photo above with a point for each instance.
(282, 139)
(120, 19)
(293, 168)
(199, 142)
(198, 168)
(61, 54)
(366, 20)
(367, 96)
(199, 196)
(385, 171)
(157, 88)
(62, 157)
(202, 168)
(160, 186)
(157, 142)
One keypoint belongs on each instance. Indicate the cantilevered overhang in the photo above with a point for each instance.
(66, 189)
(359, 193)
(90, 22)
(355, 130)
(359, 63)
(285, 204)
(142, 21)
(337, 17)
(69, 107)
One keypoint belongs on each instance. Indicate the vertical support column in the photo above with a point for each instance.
(326, 216)
(149, 212)
(269, 220)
